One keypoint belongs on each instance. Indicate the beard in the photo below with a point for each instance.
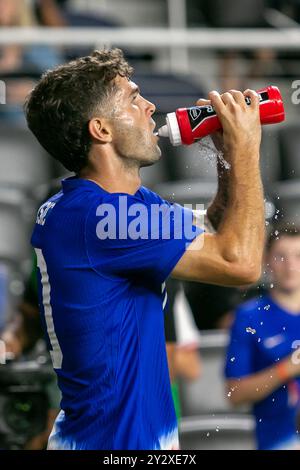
(137, 147)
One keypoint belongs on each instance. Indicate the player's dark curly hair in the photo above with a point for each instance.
(61, 105)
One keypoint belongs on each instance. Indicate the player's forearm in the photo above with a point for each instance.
(253, 388)
(260, 385)
(215, 211)
(242, 228)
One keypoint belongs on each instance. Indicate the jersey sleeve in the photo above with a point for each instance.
(128, 236)
(240, 351)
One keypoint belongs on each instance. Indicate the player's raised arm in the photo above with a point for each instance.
(233, 255)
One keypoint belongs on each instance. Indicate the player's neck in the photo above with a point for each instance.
(112, 174)
(289, 301)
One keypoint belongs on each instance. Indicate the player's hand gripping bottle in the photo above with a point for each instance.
(187, 125)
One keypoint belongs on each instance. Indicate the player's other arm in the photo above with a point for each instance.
(255, 387)
(233, 255)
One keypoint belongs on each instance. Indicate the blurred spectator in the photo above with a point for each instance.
(13, 13)
(15, 57)
(170, 335)
(20, 66)
(62, 13)
(263, 364)
(25, 329)
(183, 358)
(187, 361)
(22, 333)
(50, 13)
(21, 336)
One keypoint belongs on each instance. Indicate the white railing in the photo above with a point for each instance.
(153, 38)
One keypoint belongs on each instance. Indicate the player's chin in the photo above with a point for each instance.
(152, 157)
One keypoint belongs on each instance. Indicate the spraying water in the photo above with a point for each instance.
(209, 152)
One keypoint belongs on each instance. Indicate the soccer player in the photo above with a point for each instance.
(263, 362)
(104, 255)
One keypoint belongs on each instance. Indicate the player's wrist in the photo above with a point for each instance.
(283, 370)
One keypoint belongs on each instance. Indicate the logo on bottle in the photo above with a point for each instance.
(195, 113)
(198, 114)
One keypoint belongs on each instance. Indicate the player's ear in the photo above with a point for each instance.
(100, 130)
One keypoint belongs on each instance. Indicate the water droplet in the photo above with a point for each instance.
(232, 359)
(217, 429)
(267, 307)
(271, 286)
(207, 434)
(261, 322)
(250, 330)
(259, 340)
(260, 420)
(229, 394)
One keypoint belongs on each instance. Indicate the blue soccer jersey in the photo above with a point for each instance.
(103, 259)
(264, 333)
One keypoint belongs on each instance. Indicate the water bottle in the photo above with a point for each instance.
(187, 125)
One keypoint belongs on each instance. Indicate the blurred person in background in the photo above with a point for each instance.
(188, 338)
(263, 364)
(34, 58)
(23, 333)
(182, 341)
(21, 66)
(24, 330)
(21, 336)
(50, 12)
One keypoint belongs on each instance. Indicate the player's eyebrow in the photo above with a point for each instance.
(134, 90)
